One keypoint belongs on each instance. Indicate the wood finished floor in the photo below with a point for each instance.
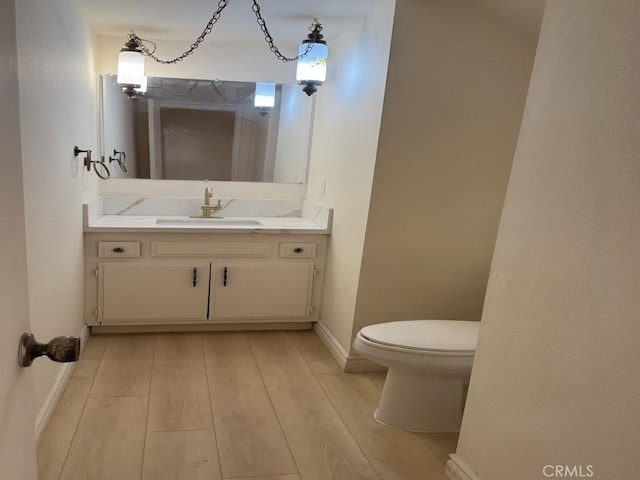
(232, 406)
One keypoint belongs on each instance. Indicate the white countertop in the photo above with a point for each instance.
(147, 223)
(179, 215)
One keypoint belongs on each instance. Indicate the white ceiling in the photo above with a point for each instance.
(287, 20)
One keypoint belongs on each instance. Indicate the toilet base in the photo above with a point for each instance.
(413, 402)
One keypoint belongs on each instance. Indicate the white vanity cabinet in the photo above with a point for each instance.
(261, 290)
(129, 293)
(167, 281)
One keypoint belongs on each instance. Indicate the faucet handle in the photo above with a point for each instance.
(208, 193)
(207, 208)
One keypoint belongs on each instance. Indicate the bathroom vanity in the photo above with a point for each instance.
(260, 265)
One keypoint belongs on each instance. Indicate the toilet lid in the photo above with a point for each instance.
(434, 335)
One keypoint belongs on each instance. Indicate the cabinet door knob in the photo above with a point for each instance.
(195, 277)
(118, 250)
(298, 250)
(225, 276)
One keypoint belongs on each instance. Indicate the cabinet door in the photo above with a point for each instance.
(261, 290)
(153, 293)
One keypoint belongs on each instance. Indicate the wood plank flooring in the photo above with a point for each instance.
(62, 428)
(188, 455)
(179, 396)
(227, 406)
(250, 439)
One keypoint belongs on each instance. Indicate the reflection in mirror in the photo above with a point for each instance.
(205, 129)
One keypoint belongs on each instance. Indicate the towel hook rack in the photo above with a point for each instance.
(88, 163)
(119, 157)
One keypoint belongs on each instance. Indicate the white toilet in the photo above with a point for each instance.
(429, 365)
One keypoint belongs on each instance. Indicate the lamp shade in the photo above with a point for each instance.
(312, 67)
(130, 67)
(265, 96)
(143, 86)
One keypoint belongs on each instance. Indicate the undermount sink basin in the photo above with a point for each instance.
(208, 221)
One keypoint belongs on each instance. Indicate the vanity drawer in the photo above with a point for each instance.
(302, 250)
(119, 249)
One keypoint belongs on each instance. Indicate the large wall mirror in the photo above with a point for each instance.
(204, 129)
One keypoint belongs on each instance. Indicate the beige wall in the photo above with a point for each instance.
(57, 111)
(555, 375)
(293, 135)
(17, 411)
(118, 124)
(458, 77)
(345, 136)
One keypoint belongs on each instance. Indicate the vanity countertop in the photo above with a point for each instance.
(175, 224)
(161, 215)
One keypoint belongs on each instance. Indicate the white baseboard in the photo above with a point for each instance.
(458, 469)
(360, 364)
(53, 397)
(348, 363)
(335, 348)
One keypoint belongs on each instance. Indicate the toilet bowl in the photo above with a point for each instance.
(429, 364)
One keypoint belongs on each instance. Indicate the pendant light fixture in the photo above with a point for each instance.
(265, 97)
(312, 54)
(131, 69)
(312, 62)
(142, 89)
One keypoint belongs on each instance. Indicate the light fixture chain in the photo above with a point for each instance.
(269, 39)
(222, 4)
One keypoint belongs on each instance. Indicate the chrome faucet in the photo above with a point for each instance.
(207, 208)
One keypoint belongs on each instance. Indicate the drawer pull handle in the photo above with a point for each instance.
(118, 250)
(195, 277)
(225, 276)
(298, 250)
